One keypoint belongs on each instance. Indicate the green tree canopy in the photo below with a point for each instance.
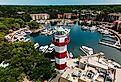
(23, 58)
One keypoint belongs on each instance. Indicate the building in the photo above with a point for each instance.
(93, 68)
(89, 14)
(117, 24)
(67, 15)
(113, 17)
(59, 16)
(42, 16)
(61, 41)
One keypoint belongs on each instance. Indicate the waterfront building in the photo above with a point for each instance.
(113, 17)
(67, 15)
(70, 15)
(41, 16)
(88, 14)
(60, 40)
(59, 16)
(117, 24)
(93, 68)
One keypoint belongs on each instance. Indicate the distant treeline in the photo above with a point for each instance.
(11, 10)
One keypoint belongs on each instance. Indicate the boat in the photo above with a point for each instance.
(100, 30)
(44, 32)
(49, 33)
(51, 48)
(71, 55)
(36, 45)
(84, 27)
(105, 32)
(87, 50)
(93, 28)
(43, 48)
(67, 31)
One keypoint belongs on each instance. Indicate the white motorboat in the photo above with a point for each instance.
(44, 31)
(87, 50)
(51, 48)
(36, 45)
(49, 33)
(93, 28)
(84, 27)
(43, 48)
(105, 32)
(67, 31)
(71, 55)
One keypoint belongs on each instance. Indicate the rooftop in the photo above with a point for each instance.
(92, 68)
(115, 14)
(118, 21)
(40, 14)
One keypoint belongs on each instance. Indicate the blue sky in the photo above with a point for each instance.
(58, 2)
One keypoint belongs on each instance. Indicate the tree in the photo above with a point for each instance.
(24, 57)
(3, 28)
(33, 25)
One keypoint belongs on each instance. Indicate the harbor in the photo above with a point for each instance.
(87, 38)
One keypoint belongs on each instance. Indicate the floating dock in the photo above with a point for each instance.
(110, 45)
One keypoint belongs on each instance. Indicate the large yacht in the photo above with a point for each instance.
(87, 50)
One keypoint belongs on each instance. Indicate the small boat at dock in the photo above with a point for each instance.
(36, 45)
(71, 55)
(93, 28)
(84, 28)
(43, 48)
(50, 49)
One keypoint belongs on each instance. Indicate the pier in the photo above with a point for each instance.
(107, 44)
(108, 40)
(116, 36)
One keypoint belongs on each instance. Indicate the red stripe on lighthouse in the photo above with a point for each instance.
(67, 40)
(61, 55)
(61, 66)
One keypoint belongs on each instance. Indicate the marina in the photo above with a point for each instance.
(19, 35)
(87, 38)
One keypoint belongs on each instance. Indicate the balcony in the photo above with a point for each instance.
(56, 43)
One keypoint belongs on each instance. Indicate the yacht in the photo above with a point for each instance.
(87, 50)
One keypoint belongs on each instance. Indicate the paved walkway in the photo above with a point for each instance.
(56, 78)
(118, 74)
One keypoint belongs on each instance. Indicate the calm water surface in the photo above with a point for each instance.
(78, 38)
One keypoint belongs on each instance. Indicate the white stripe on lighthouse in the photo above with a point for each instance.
(60, 61)
(60, 49)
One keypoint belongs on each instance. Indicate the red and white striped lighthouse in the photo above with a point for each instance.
(60, 40)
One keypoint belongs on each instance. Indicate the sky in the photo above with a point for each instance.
(59, 2)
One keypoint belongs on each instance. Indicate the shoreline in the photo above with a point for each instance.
(39, 29)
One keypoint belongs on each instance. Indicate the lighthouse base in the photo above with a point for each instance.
(61, 71)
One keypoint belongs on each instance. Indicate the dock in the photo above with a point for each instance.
(108, 40)
(107, 44)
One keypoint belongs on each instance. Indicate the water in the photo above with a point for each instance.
(78, 38)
